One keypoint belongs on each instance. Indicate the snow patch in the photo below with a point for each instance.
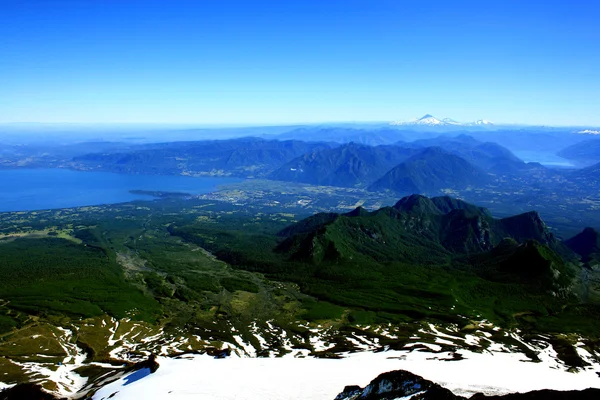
(286, 377)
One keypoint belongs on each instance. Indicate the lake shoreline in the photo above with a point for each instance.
(55, 188)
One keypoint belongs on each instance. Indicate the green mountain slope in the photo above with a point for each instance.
(435, 258)
(530, 263)
(415, 229)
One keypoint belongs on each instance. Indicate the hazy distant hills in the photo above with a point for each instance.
(423, 166)
(585, 152)
(448, 142)
(472, 165)
(427, 165)
(347, 165)
(371, 137)
(484, 155)
(236, 157)
(429, 171)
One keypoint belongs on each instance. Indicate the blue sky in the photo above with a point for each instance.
(284, 61)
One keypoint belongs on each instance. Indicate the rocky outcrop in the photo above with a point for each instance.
(403, 384)
(587, 394)
(397, 384)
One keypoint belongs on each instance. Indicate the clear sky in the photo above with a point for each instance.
(286, 61)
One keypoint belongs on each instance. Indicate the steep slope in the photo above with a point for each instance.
(347, 165)
(429, 172)
(530, 263)
(416, 229)
(525, 226)
(586, 244)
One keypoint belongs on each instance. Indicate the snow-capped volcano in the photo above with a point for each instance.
(589, 132)
(430, 120)
(427, 119)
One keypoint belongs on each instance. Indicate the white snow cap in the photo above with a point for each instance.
(589, 132)
(430, 120)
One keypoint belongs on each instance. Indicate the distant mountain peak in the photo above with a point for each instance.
(415, 222)
(430, 120)
(589, 132)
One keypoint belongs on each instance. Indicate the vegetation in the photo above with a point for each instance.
(216, 271)
(51, 275)
(414, 261)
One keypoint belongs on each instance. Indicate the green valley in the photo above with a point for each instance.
(115, 283)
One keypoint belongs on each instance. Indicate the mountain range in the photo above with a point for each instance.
(430, 120)
(373, 137)
(236, 157)
(415, 229)
(585, 152)
(429, 171)
(347, 165)
(424, 166)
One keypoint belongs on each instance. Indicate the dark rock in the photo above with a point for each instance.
(218, 353)
(587, 394)
(28, 391)
(397, 384)
(349, 392)
(400, 384)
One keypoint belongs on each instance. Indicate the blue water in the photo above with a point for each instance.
(40, 189)
(547, 159)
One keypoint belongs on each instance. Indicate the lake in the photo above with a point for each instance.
(548, 159)
(40, 189)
